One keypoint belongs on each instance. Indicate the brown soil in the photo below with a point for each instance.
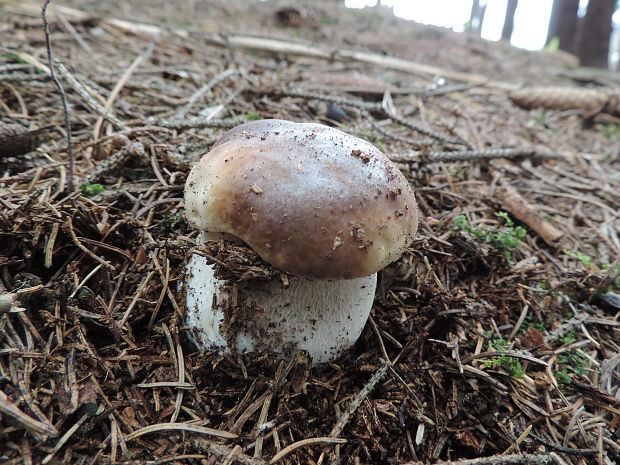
(500, 340)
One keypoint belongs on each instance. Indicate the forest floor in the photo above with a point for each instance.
(494, 339)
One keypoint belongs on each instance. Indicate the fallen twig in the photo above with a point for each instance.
(567, 326)
(316, 51)
(365, 107)
(89, 101)
(114, 162)
(497, 460)
(68, 227)
(199, 122)
(357, 401)
(425, 130)
(566, 450)
(521, 209)
(63, 96)
(204, 89)
(419, 156)
(359, 398)
(119, 85)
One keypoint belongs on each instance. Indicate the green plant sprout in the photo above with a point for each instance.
(583, 258)
(531, 321)
(252, 116)
(503, 240)
(90, 190)
(572, 361)
(512, 365)
(587, 261)
(569, 338)
(540, 118)
(616, 283)
(9, 56)
(611, 131)
(169, 222)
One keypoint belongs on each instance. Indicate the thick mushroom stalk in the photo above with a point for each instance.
(312, 201)
(323, 318)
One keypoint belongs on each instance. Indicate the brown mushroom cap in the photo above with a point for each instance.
(309, 199)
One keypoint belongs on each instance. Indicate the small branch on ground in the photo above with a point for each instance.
(366, 107)
(357, 401)
(521, 209)
(467, 155)
(117, 160)
(63, 96)
(566, 450)
(199, 122)
(526, 459)
(89, 101)
(206, 88)
(567, 326)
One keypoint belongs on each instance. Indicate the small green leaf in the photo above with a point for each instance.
(583, 258)
(90, 190)
(252, 116)
(562, 376)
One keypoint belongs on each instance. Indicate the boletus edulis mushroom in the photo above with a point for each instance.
(326, 207)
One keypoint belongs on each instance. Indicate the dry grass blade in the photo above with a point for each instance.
(162, 427)
(11, 410)
(162, 384)
(68, 226)
(304, 443)
(64, 438)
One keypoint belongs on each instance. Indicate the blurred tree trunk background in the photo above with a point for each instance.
(595, 33)
(583, 28)
(509, 19)
(476, 18)
(563, 24)
(587, 37)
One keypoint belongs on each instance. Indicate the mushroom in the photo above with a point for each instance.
(326, 207)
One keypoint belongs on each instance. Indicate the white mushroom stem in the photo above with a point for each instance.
(323, 318)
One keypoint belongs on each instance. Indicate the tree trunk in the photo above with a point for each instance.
(593, 46)
(563, 24)
(509, 19)
(476, 17)
(475, 7)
